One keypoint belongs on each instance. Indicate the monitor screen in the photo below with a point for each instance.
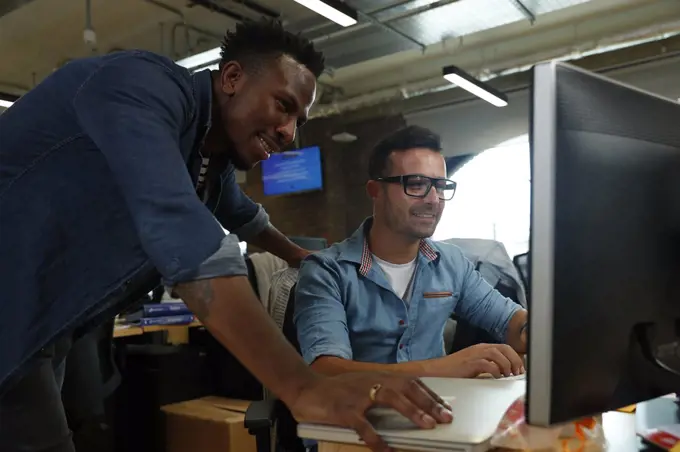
(292, 172)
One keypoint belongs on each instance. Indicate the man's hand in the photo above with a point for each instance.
(499, 360)
(343, 401)
(273, 241)
(226, 304)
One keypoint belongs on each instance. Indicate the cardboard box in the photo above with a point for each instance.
(210, 424)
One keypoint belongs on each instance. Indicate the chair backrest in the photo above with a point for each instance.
(310, 243)
(286, 427)
(280, 293)
(493, 263)
(252, 277)
(282, 310)
(521, 262)
(231, 378)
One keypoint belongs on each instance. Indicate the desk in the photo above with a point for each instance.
(177, 334)
(475, 422)
(619, 430)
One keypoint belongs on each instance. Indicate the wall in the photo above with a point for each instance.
(475, 126)
(338, 210)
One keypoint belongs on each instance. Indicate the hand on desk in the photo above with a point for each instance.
(343, 401)
(499, 360)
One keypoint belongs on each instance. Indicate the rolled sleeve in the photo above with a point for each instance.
(320, 316)
(237, 212)
(133, 108)
(227, 261)
(482, 305)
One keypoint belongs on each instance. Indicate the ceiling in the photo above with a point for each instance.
(398, 46)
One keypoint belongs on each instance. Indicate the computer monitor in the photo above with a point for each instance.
(605, 245)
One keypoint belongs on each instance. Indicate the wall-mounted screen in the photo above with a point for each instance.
(292, 172)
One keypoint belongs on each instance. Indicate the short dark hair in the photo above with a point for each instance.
(251, 43)
(403, 139)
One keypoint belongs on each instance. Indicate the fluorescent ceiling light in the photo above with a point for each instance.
(6, 103)
(480, 89)
(201, 59)
(333, 10)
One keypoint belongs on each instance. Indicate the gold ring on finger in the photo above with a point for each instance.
(374, 391)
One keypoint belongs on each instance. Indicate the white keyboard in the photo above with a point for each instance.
(514, 377)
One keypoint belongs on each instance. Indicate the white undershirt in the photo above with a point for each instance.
(398, 275)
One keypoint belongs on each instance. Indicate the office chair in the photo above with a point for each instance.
(231, 378)
(493, 263)
(269, 420)
(521, 262)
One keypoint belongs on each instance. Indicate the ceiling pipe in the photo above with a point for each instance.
(438, 84)
(13, 87)
(179, 14)
(183, 24)
(360, 26)
(214, 7)
(259, 9)
(391, 29)
(187, 27)
(89, 35)
(524, 9)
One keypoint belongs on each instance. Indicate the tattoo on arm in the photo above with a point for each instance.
(197, 295)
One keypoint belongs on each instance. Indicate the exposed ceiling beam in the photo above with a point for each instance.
(602, 63)
(524, 9)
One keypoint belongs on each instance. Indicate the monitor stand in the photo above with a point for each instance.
(654, 362)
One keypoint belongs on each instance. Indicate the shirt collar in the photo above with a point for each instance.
(357, 250)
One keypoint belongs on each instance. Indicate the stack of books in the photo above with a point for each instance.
(171, 313)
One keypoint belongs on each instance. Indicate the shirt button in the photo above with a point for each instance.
(401, 322)
(401, 346)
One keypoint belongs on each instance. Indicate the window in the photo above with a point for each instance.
(493, 198)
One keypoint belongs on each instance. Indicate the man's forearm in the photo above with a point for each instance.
(229, 309)
(332, 365)
(273, 241)
(516, 334)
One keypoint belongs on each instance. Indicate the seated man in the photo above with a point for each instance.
(380, 299)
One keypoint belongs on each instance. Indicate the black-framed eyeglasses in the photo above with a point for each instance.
(419, 186)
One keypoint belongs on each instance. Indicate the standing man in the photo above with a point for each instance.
(114, 173)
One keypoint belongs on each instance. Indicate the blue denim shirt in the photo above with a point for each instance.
(345, 307)
(98, 166)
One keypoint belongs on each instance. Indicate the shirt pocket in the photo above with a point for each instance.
(437, 304)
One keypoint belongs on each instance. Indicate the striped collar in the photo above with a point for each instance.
(366, 261)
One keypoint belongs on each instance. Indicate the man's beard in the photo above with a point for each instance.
(235, 157)
(239, 163)
(395, 223)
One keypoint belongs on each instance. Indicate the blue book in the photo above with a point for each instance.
(157, 310)
(182, 319)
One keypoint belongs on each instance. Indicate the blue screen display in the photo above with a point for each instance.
(292, 171)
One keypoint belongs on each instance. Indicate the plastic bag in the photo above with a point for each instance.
(513, 433)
